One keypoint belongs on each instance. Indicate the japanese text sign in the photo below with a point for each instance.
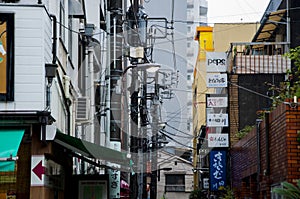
(217, 170)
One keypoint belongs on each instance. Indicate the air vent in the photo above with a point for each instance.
(82, 108)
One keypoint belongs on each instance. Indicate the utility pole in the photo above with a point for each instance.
(114, 67)
(138, 104)
(155, 121)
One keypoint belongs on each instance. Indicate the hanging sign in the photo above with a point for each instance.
(215, 102)
(205, 183)
(38, 170)
(216, 80)
(217, 120)
(216, 62)
(218, 140)
(217, 170)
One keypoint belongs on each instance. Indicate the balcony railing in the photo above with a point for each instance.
(259, 58)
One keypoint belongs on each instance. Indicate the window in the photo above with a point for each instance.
(189, 28)
(202, 11)
(7, 57)
(175, 183)
(70, 51)
(62, 20)
(188, 126)
(188, 77)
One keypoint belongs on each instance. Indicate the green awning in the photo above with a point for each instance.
(9, 145)
(91, 150)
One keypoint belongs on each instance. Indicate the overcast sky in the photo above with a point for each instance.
(230, 11)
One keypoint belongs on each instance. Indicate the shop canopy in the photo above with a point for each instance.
(269, 25)
(91, 150)
(9, 145)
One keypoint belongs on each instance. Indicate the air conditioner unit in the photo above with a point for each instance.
(82, 109)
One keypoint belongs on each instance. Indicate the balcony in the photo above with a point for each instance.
(259, 58)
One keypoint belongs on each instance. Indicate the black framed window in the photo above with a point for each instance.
(7, 56)
(62, 18)
(175, 183)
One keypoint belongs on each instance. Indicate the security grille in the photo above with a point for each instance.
(82, 109)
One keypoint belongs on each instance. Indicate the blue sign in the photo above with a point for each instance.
(217, 170)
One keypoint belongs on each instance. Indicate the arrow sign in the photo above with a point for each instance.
(39, 170)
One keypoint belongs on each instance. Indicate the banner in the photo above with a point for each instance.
(217, 171)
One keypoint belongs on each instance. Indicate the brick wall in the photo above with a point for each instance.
(278, 154)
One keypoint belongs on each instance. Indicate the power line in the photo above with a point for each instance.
(178, 130)
(176, 141)
(172, 134)
(249, 90)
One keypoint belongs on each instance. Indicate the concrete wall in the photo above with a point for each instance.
(225, 33)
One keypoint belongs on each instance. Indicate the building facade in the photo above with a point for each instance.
(50, 71)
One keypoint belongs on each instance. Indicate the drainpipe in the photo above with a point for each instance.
(92, 93)
(258, 121)
(267, 145)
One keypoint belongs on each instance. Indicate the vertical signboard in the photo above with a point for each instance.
(114, 183)
(217, 171)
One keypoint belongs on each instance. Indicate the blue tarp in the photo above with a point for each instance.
(9, 145)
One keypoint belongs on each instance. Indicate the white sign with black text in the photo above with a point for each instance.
(216, 80)
(213, 102)
(205, 183)
(217, 120)
(216, 62)
(218, 140)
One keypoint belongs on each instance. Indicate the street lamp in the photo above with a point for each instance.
(50, 73)
(201, 170)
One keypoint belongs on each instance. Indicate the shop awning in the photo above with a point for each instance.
(91, 150)
(269, 25)
(9, 145)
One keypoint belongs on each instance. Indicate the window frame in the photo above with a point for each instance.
(174, 186)
(8, 95)
(62, 20)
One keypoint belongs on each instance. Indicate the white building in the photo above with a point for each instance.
(45, 107)
(196, 16)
